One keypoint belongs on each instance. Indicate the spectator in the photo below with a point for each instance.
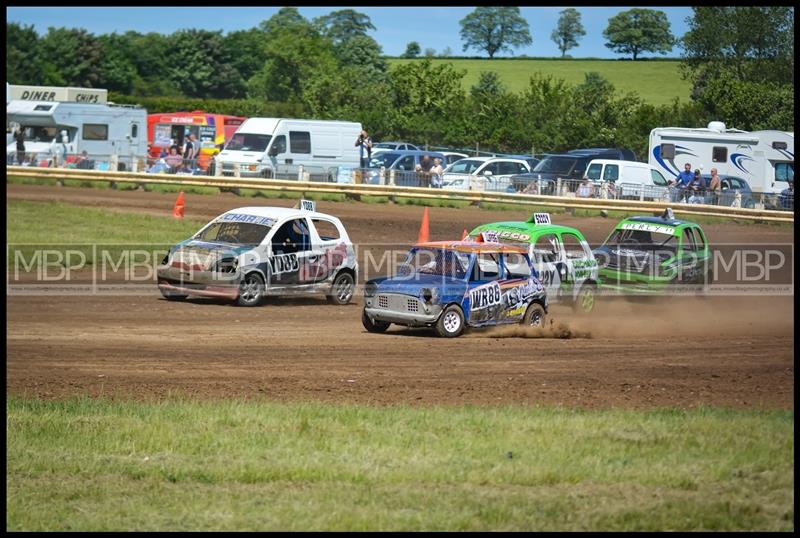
(436, 173)
(714, 188)
(365, 148)
(19, 136)
(83, 161)
(696, 189)
(174, 160)
(163, 153)
(426, 163)
(531, 188)
(584, 189)
(190, 149)
(682, 180)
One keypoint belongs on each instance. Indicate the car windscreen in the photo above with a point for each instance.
(643, 237)
(557, 165)
(383, 158)
(236, 233)
(464, 166)
(438, 262)
(248, 142)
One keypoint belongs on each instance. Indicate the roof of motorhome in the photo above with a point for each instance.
(706, 133)
(260, 125)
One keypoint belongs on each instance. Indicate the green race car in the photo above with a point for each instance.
(654, 255)
(561, 255)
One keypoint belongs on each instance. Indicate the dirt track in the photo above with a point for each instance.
(736, 351)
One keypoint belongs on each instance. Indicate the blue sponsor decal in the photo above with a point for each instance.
(737, 160)
(786, 153)
(245, 218)
(673, 169)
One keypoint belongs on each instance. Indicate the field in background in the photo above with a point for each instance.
(181, 465)
(657, 82)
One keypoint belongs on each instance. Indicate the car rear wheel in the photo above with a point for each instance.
(451, 322)
(535, 316)
(373, 326)
(342, 289)
(251, 290)
(584, 302)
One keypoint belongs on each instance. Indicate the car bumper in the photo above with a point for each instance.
(402, 318)
(223, 292)
(203, 283)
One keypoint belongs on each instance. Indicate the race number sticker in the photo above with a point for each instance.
(308, 205)
(541, 218)
(284, 263)
(485, 296)
(489, 236)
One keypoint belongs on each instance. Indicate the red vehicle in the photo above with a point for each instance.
(212, 130)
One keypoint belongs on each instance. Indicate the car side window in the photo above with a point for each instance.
(688, 240)
(611, 173)
(516, 265)
(546, 249)
(406, 163)
(279, 145)
(573, 247)
(699, 241)
(326, 230)
(487, 267)
(491, 167)
(291, 237)
(658, 179)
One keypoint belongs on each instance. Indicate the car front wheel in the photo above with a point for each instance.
(373, 326)
(251, 290)
(535, 316)
(451, 322)
(342, 289)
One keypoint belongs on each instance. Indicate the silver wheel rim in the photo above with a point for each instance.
(587, 300)
(344, 290)
(250, 291)
(536, 318)
(451, 322)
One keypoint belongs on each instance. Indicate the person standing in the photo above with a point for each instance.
(436, 173)
(714, 187)
(19, 136)
(365, 148)
(682, 181)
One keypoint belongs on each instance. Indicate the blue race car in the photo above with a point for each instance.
(450, 285)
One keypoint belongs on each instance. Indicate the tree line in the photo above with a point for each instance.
(739, 62)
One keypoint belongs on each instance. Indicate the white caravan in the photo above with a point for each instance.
(270, 147)
(102, 130)
(765, 159)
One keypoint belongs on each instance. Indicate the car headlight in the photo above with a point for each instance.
(429, 295)
(369, 289)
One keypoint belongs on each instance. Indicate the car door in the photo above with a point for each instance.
(290, 250)
(578, 263)
(484, 289)
(545, 252)
(516, 288)
(328, 252)
(687, 257)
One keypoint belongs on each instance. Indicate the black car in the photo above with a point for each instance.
(572, 164)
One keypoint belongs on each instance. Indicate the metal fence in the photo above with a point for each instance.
(207, 165)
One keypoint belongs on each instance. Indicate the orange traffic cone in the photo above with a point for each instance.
(177, 211)
(424, 231)
(464, 235)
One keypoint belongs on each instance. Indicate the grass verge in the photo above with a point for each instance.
(93, 465)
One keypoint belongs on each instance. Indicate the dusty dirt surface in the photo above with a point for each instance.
(683, 352)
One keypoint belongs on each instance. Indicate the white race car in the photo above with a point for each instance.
(249, 252)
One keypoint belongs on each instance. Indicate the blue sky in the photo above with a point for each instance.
(431, 27)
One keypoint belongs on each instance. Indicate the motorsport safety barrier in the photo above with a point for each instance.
(355, 190)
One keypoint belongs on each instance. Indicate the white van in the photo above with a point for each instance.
(277, 147)
(631, 180)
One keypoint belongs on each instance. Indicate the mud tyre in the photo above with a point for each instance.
(342, 289)
(373, 326)
(535, 316)
(451, 322)
(251, 290)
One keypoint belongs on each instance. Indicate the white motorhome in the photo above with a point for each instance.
(270, 147)
(765, 159)
(53, 127)
(632, 180)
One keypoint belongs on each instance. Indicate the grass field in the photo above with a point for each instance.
(657, 83)
(182, 465)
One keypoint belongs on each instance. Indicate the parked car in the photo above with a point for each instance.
(628, 179)
(392, 146)
(404, 163)
(729, 185)
(532, 161)
(452, 156)
(561, 255)
(652, 255)
(572, 165)
(483, 173)
(450, 285)
(249, 252)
